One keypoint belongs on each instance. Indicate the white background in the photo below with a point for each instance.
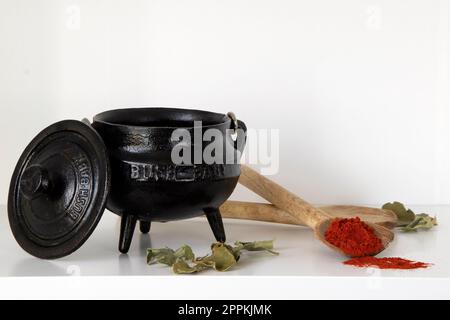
(359, 89)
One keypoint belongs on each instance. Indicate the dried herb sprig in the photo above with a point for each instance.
(222, 256)
(408, 221)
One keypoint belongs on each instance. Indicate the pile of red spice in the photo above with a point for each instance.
(354, 237)
(386, 263)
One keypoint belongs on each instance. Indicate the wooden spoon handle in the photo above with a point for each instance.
(257, 211)
(282, 198)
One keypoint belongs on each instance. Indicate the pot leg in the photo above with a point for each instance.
(127, 226)
(216, 223)
(144, 226)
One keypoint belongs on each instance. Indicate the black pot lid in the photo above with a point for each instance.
(58, 190)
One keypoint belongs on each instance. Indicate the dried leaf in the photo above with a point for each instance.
(182, 267)
(266, 245)
(168, 256)
(165, 256)
(206, 262)
(404, 216)
(408, 220)
(222, 257)
(185, 252)
(422, 221)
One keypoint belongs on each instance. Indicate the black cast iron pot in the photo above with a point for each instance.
(124, 161)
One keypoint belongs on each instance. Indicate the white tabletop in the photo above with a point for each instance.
(301, 256)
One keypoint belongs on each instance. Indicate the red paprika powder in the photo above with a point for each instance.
(354, 237)
(386, 263)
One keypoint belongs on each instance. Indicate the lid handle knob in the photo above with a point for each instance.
(35, 182)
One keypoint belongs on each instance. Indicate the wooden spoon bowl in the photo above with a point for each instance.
(384, 234)
(313, 217)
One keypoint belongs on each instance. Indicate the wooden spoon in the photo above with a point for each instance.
(313, 217)
(270, 213)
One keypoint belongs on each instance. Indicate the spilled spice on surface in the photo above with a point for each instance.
(386, 263)
(354, 237)
(357, 239)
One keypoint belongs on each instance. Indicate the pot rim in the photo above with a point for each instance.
(99, 118)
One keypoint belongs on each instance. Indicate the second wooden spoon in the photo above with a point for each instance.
(270, 213)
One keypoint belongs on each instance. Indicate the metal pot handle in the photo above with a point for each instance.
(240, 131)
(86, 121)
